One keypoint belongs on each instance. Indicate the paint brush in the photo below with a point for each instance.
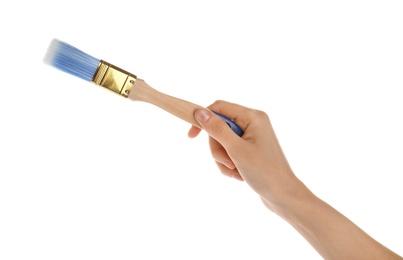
(74, 61)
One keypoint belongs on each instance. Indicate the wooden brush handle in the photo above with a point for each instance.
(141, 91)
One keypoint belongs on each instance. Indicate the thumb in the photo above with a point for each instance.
(215, 127)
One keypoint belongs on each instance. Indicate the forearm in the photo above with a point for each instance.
(331, 234)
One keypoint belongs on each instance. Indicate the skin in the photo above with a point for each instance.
(257, 159)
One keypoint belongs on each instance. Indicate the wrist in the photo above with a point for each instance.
(284, 200)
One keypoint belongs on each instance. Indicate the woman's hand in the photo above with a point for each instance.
(256, 157)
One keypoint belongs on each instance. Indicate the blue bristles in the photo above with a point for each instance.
(69, 59)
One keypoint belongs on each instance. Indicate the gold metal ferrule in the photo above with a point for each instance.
(114, 78)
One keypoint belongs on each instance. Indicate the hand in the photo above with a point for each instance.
(256, 157)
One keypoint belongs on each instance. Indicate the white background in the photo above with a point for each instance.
(85, 174)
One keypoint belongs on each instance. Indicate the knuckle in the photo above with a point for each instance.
(217, 103)
(261, 114)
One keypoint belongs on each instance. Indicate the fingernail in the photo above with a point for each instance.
(202, 115)
(229, 165)
(236, 177)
